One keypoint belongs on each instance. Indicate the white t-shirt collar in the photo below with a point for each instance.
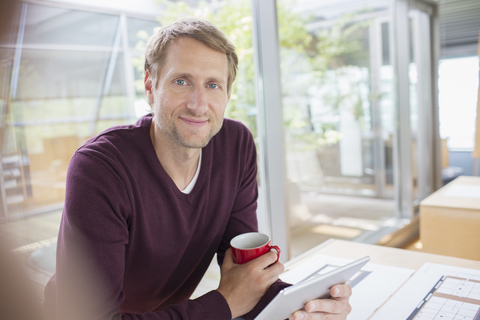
(190, 186)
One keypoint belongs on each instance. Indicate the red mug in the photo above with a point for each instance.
(248, 246)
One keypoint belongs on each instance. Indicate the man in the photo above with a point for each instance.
(148, 205)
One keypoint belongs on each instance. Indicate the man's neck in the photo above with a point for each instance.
(179, 162)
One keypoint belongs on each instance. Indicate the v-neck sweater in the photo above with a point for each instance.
(145, 245)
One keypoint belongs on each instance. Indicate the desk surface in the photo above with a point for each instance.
(381, 255)
(460, 193)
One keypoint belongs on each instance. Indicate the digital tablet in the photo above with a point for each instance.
(294, 298)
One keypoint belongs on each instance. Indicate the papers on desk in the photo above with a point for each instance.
(436, 292)
(371, 286)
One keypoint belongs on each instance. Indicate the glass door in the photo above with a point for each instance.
(338, 114)
(358, 116)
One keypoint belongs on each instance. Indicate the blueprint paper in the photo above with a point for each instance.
(436, 292)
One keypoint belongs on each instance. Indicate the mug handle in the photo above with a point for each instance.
(276, 248)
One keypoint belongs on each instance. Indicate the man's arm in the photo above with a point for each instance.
(93, 238)
(243, 219)
(244, 285)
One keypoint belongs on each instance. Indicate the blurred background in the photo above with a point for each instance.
(370, 120)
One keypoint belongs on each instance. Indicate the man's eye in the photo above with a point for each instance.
(213, 86)
(181, 82)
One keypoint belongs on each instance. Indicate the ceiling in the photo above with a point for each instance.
(459, 27)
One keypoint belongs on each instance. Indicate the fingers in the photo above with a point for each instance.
(327, 306)
(336, 307)
(242, 285)
(323, 309)
(269, 267)
(266, 260)
(341, 291)
(266, 266)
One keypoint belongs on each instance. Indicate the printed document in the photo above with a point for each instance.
(436, 292)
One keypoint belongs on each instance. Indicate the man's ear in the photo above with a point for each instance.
(148, 86)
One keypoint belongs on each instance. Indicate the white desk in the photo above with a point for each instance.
(379, 255)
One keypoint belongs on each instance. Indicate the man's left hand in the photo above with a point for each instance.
(335, 308)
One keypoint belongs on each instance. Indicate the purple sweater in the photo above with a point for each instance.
(133, 246)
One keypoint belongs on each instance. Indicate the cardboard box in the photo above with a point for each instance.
(450, 219)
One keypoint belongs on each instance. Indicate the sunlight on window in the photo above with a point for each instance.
(458, 85)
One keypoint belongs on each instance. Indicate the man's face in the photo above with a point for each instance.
(191, 94)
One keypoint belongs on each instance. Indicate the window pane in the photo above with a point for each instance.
(333, 123)
(71, 85)
(139, 29)
(458, 86)
(54, 74)
(58, 26)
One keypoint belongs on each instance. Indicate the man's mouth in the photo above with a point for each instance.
(194, 122)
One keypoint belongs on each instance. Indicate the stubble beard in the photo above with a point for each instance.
(172, 131)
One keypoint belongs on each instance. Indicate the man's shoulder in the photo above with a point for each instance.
(234, 124)
(234, 138)
(120, 136)
(234, 129)
(118, 142)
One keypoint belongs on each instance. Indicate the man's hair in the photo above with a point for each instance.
(198, 29)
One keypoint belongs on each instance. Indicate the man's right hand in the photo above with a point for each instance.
(242, 285)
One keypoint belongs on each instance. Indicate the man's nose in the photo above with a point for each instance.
(197, 101)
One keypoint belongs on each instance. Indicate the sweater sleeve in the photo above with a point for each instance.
(92, 242)
(244, 219)
(265, 300)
